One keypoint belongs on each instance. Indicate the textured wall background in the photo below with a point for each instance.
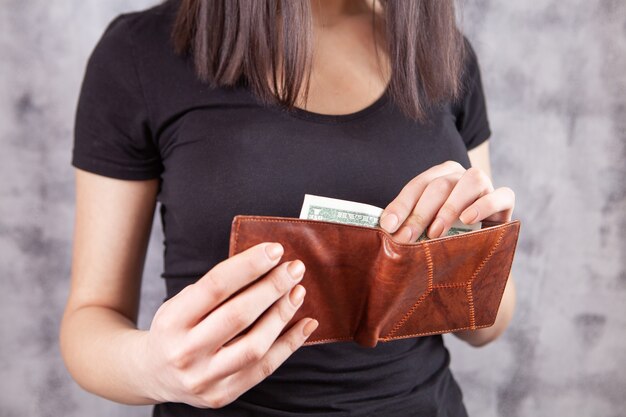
(555, 78)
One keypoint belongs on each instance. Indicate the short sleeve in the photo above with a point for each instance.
(112, 132)
(471, 110)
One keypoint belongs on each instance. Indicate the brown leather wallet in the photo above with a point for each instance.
(363, 286)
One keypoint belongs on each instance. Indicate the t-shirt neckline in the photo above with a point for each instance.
(340, 118)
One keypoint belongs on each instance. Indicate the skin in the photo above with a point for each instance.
(434, 199)
(348, 73)
(193, 352)
(190, 353)
(348, 76)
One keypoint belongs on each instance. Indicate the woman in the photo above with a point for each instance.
(204, 107)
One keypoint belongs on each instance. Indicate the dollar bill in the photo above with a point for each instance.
(336, 210)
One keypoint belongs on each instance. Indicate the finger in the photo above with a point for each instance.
(238, 313)
(224, 279)
(255, 344)
(473, 184)
(284, 346)
(436, 192)
(399, 209)
(495, 206)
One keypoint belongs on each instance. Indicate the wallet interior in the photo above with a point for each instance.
(364, 286)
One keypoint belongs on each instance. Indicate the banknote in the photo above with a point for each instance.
(336, 210)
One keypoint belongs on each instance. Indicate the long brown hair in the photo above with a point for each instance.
(235, 40)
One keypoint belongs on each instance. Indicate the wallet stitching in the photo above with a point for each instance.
(438, 331)
(510, 263)
(455, 285)
(405, 336)
(469, 292)
(236, 237)
(430, 270)
(332, 339)
(429, 262)
(467, 284)
(317, 223)
(470, 302)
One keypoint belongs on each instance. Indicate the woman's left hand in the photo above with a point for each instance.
(442, 194)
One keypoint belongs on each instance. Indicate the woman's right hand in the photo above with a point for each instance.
(191, 354)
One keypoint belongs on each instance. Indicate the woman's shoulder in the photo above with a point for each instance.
(144, 28)
(470, 63)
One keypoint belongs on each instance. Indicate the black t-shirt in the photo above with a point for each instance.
(143, 114)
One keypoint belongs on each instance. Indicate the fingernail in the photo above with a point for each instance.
(309, 327)
(296, 269)
(296, 295)
(436, 228)
(274, 250)
(389, 222)
(469, 215)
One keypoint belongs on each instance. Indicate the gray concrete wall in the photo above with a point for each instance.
(554, 74)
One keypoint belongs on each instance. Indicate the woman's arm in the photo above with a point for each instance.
(479, 157)
(111, 232)
(194, 351)
(435, 198)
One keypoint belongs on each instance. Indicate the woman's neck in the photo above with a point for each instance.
(327, 13)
